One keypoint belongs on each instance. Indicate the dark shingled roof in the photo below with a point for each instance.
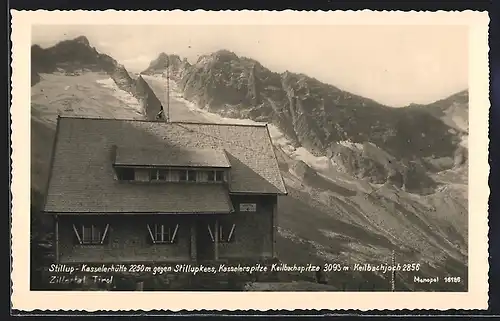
(125, 197)
(82, 176)
(171, 157)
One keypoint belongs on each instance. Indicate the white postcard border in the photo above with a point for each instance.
(26, 300)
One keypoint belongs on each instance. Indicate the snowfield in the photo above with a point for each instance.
(87, 95)
(120, 94)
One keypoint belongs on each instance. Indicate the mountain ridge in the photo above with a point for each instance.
(321, 117)
(155, 66)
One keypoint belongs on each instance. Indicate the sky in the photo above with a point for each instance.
(394, 65)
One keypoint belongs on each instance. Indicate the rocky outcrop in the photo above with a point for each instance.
(453, 111)
(74, 57)
(175, 65)
(71, 56)
(303, 171)
(152, 107)
(320, 117)
(77, 56)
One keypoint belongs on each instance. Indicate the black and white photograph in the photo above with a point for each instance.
(250, 157)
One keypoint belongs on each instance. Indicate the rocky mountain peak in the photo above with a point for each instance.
(83, 40)
(225, 55)
(69, 56)
(164, 61)
(217, 58)
(80, 43)
(452, 110)
(72, 57)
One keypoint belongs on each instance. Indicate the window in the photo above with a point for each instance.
(163, 233)
(187, 176)
(90, 233)
(219, 176)
(162, 175)
(202, 176)
(211, 176)
(170, 175)
(226, 232)
(125, 174)
(158, 175)
(174, 175)
(215, 176)
(183, 176)
(191, 176)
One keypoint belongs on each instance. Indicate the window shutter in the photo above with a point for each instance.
(210, 232)
(77, 235)
(151, 236)
(104, 237)
(231, 233)
(174, 234)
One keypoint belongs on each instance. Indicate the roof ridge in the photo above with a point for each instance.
(161, 121)
(219, 124)
(128, 147)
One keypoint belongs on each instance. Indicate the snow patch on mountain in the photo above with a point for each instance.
(127, 98)
(351, 145)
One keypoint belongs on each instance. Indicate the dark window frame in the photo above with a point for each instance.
(97, 234)
(183, 176)
(211, 176)
(159, 175)
(217, 178)
(192, 175)
(125, 174)
(168, 175)
(163, 233)
(226, 233)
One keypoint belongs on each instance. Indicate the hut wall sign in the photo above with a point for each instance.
(248, 207)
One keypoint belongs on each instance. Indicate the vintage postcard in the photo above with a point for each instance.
(237, 160)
